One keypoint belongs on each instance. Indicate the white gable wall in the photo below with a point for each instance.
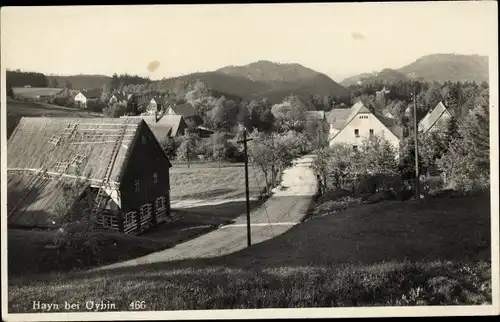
(80, 98)
(170, 111)
(152, 106)
(364, 124)
(440, 122)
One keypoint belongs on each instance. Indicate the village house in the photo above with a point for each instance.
(118, 98)
(166, 126)
(155, 105)
(435, 119)
(85, 96)
(187, 111)
(357, 123)
(124, 171)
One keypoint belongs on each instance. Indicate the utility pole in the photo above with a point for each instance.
(417, 174)
(247, 190)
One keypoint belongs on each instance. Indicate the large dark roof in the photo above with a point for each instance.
(29, 146)
(186, 110)
(91, 93)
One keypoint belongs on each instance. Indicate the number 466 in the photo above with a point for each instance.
(137, 305)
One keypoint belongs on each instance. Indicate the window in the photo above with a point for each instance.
(107, 221)
(363, 116)
(155, 177)
(136, 185)
(144, 139)
(355, 148)
(160, 203)
(129, 221)
(146, 212)
(371, 131)
(356, 132)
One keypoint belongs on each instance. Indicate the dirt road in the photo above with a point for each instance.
(279, 213)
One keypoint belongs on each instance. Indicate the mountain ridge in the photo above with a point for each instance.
(439, 67)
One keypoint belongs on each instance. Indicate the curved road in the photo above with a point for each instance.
(279, 213)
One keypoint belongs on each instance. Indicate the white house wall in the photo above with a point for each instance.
(81, 98)
(346, 135)
(441, 122)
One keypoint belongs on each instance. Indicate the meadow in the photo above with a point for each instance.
(211, 181)
(17, 109)
(424, 252)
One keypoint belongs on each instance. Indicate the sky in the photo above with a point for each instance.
(338, 39)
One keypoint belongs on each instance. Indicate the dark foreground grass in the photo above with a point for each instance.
(428, 252)
(27, 252)
(395, 284)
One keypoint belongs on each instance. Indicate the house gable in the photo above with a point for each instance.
(358, 127)
(146, 158)
(434, 117)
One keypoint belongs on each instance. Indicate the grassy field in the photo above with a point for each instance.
(426, 252)
(211, 181)
(17, 109)
(35, 91)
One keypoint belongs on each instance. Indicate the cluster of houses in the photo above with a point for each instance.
(357, 123)
(109, 156)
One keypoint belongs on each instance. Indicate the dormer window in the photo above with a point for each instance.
(136, 185)
(155, 177)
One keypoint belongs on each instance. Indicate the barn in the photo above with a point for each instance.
(117, 165)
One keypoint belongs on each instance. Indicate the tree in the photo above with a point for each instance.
(272, 153)
(378, 156)
(187, 147)
(433, 95)
(10, 92)
(68, 85)
(170, 145)
(459, 167)
(289, 114)
(75, 238)
(54, 83)
(333, 165)
(475, 131)
(114, 110)
(244, 117)
(223, 115)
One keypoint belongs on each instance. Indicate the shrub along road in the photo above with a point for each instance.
(278, 214)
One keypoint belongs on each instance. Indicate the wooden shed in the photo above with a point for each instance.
(123, 167)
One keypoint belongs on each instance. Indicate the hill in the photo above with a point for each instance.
(449, 67)
(435, 67)
(282, 80)
(270, 72)
(230, 86)
(80, 81)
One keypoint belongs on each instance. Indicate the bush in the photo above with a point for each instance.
(95, 106)
(114, 110)
(170, 146)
